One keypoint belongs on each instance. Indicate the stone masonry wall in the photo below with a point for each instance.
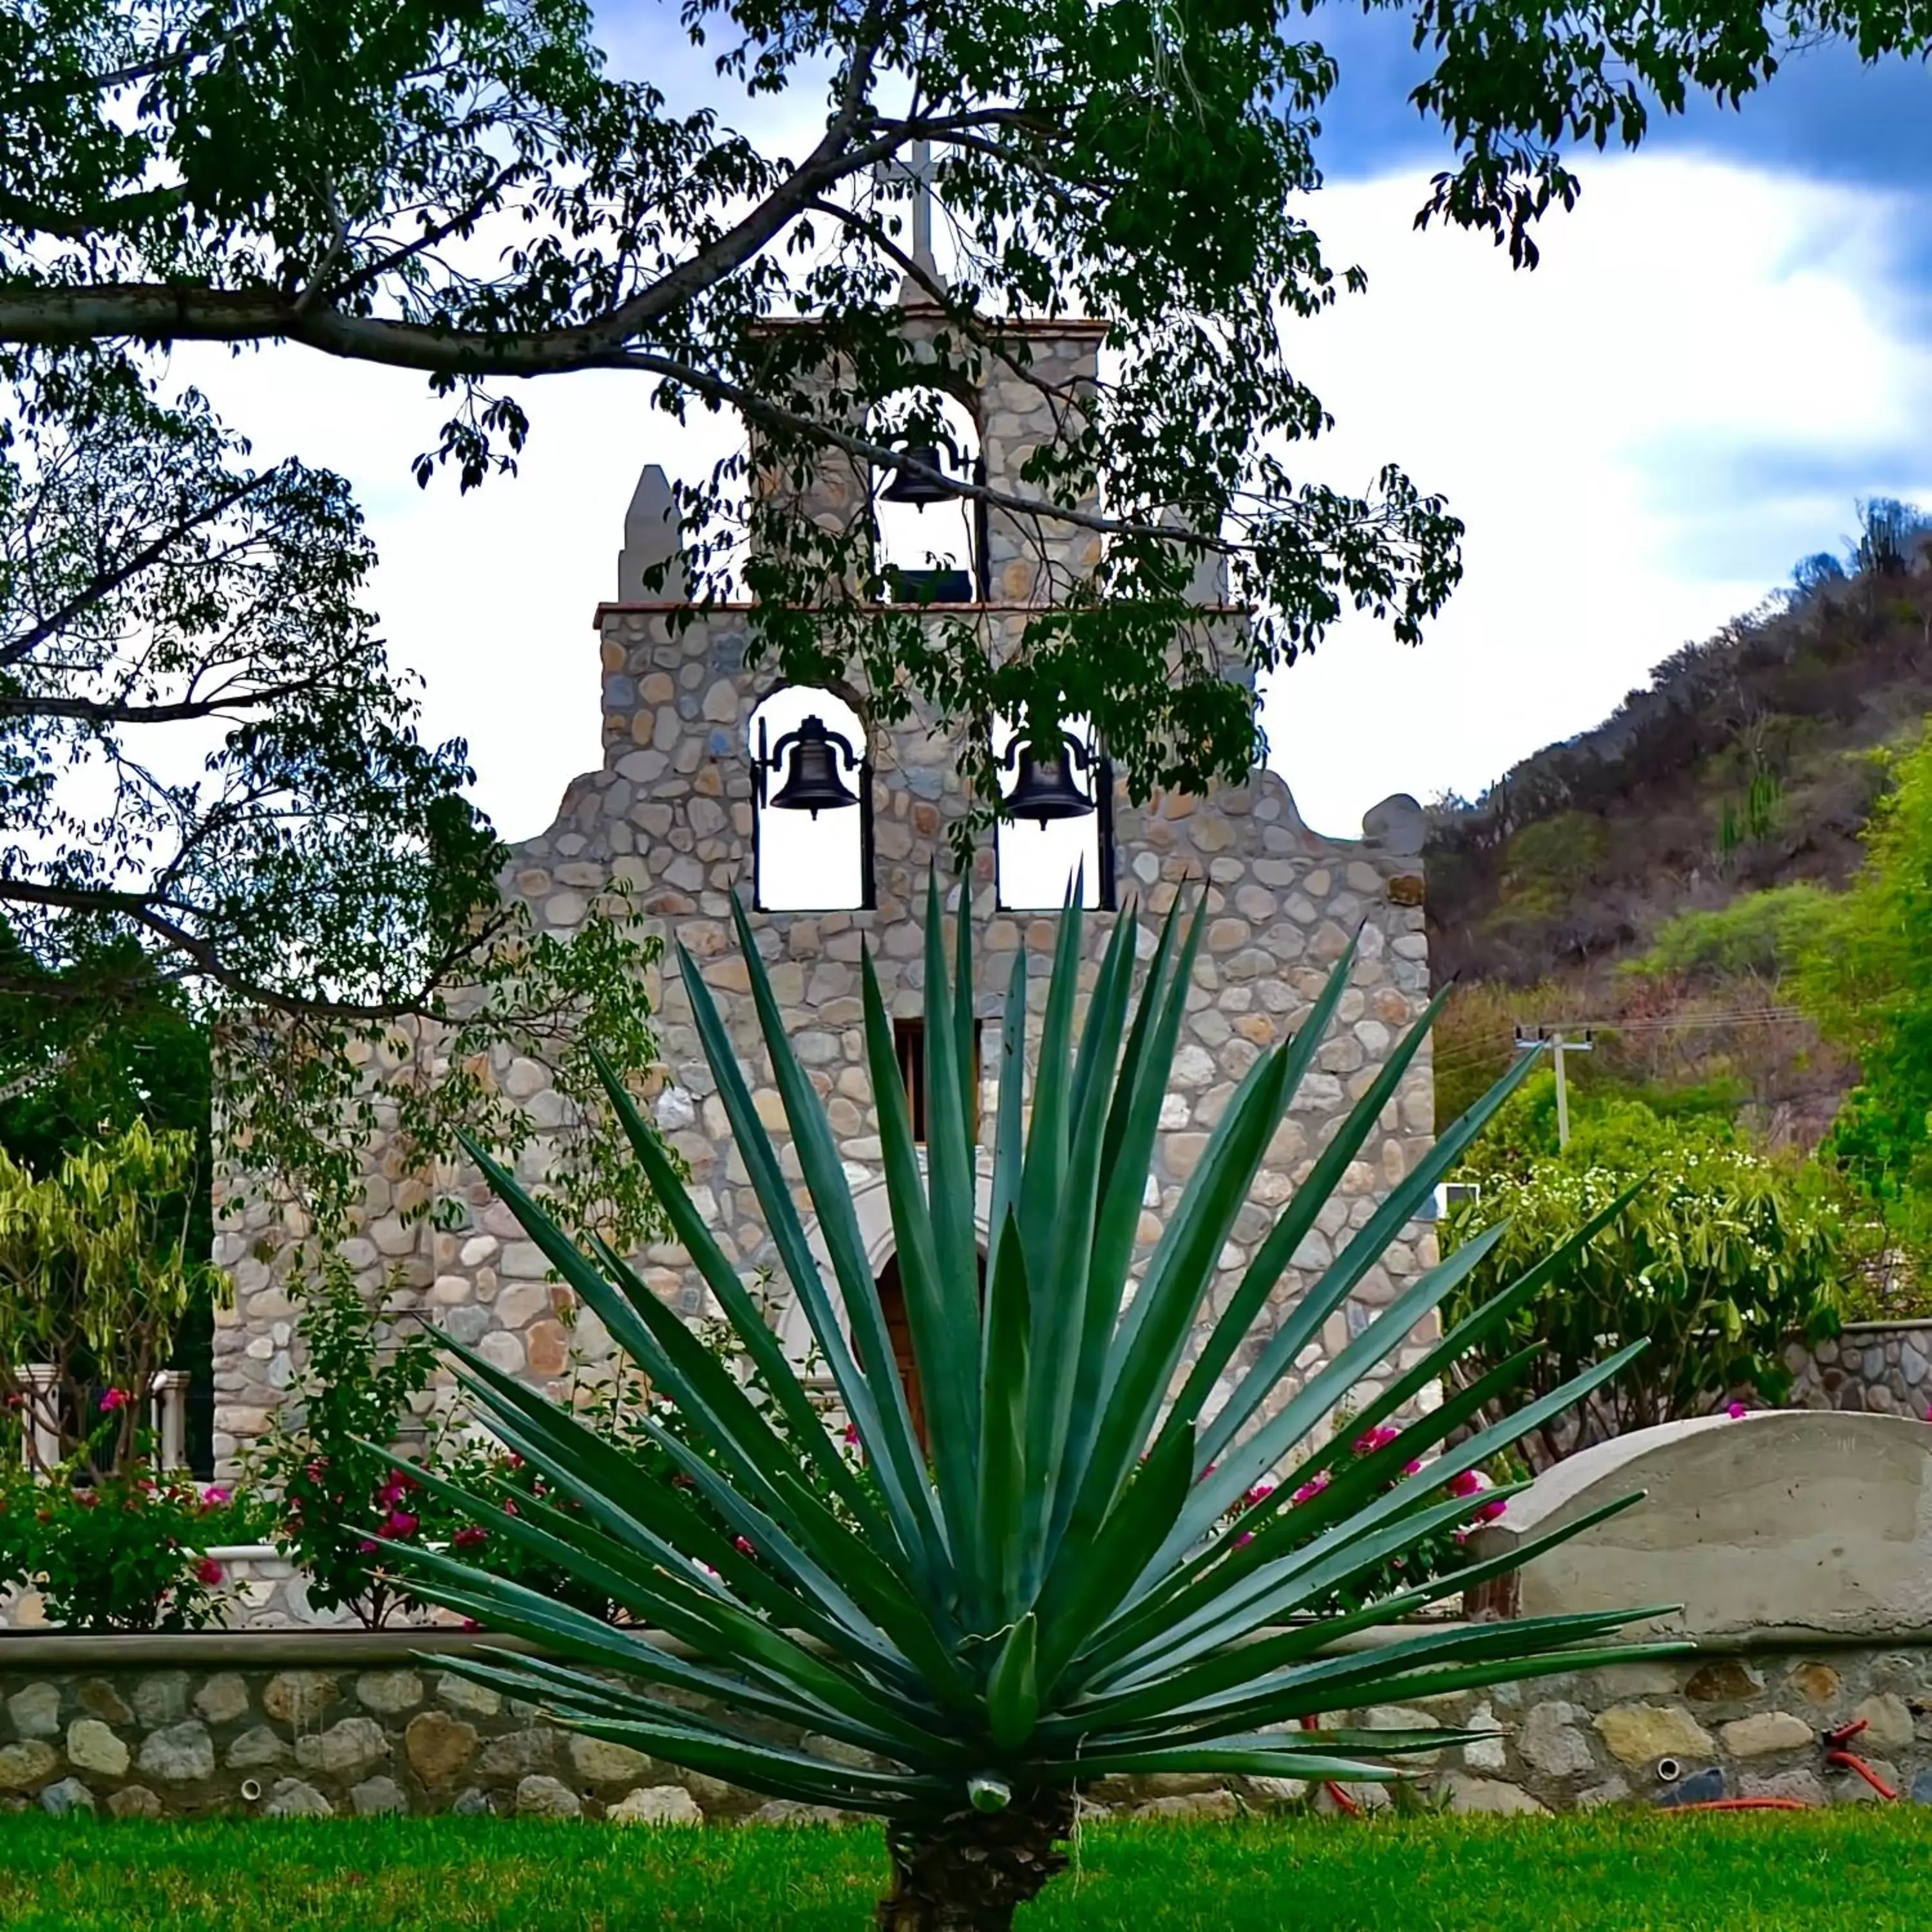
(670, 816)
(1883, 1368)
(199, 1726)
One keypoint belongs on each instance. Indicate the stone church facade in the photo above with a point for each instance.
(673, 814)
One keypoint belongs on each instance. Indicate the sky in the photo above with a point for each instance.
(1728, 343)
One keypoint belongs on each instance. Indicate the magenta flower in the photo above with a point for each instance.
(1491, 1510)
(113, 1398)
(1246, 1536)
(1735, 1410)
(400, 1523)
(209, 1570)
(214, 1495)
(1411, 1468)
(366, 1546)
(1468, 1483)
(744, 1546)
(1261, 1491)
(1315, 1484)
(469, 1536)
(1379, 1437)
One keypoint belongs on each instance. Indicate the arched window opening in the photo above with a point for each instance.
(931, 541)
(811, 807)
(1062, 822)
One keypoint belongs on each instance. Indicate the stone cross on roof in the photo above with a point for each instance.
(918, 169)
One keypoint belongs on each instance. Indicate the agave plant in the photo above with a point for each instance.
(956, 1635)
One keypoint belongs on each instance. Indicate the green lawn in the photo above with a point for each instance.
(1859, 1867)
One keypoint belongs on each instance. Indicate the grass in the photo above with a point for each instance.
(1857, 1867)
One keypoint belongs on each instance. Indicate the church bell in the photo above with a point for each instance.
(906, 487)
(813, 784)
(1043, 792)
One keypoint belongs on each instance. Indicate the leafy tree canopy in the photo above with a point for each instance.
(460, 186)
(220, 834)
(1864, 979)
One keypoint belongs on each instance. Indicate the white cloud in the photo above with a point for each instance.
(1595, 424)
(1588, 422)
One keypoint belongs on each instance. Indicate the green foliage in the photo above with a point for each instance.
(1766, 933)
(97, 1275)
(316, 910)
(329, 1456)
(1547, 862)
(1752, 820)
(1060, 1590)
(1715, 1254)
(293, 173)
(1863, 979)
(125, 1552)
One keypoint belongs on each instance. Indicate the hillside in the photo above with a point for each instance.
(1651, 871)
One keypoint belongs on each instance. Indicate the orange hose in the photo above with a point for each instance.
(1742, 1804)
(1342, 1802)
(1852, 1762)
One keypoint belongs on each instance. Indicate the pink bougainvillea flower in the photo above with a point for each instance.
(1246, 1536)
(1491, 1510)
(1315, 1484)
(1379, 1437)
(113, 1398)
(469, 1623)
(469, 1536)
(851, 1435)
(207, 1570)
(1469, 1482)
(1735, 1409)
(1411, 1468)
(1260, 1492)
(314, 1470)
(744, 1546)
(214, 1495)
(400, 1523)
(509, 1506)
(367, 1546)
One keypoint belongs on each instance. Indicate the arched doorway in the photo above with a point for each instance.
(898, 1328)
(898, 1331)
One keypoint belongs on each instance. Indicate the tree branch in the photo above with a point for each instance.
(104, 586)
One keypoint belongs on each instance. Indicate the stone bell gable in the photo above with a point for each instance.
(677, 815)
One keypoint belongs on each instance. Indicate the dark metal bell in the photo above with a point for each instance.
(906, 487)
(813, 784)
(1044, 792)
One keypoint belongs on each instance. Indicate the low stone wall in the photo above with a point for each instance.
(326, 1724)
(1884, 1368)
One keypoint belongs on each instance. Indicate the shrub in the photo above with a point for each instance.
(95, 1279)
(1767, 933)
(127, 1552)
(1713, 1254)
(344, 1494)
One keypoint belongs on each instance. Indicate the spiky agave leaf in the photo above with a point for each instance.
(1055, 1594)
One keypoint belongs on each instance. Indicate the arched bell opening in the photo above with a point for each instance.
(811, 802)
(1061, 802)
(929, 542)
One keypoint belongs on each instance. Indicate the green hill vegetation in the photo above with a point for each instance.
(1724, 889)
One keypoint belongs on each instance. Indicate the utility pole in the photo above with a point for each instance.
(1559, 1046)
